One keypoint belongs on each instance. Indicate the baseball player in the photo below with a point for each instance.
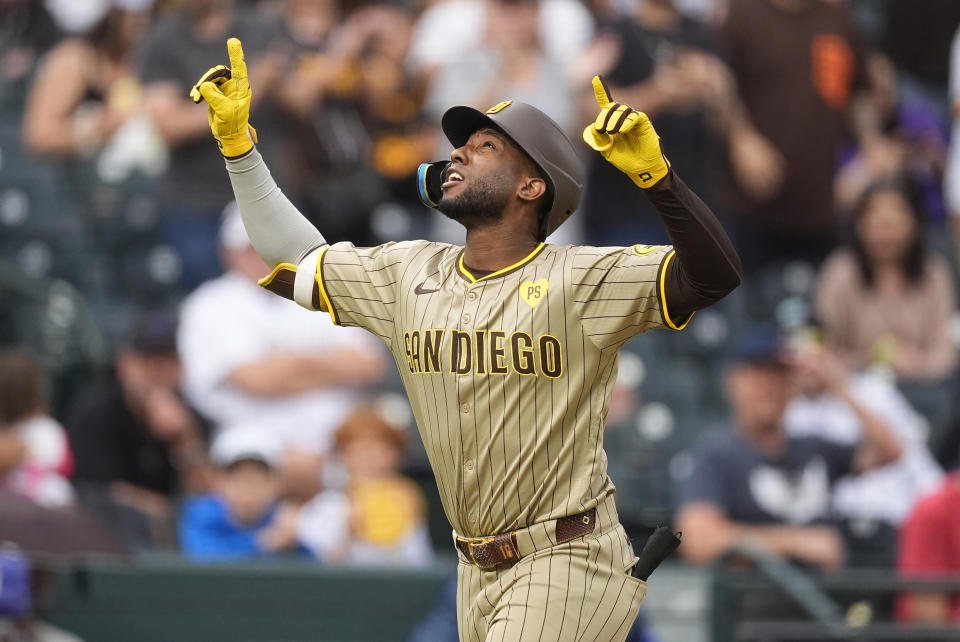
(507, 346)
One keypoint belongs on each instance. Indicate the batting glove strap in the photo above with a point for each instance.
(236, 145)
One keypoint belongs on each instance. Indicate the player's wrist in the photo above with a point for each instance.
(652, 175)
(662, 184)
(236, 145)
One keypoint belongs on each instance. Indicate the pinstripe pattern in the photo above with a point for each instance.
(578, 591)
(509, 377)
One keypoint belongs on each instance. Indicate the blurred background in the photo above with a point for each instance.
(173, 468)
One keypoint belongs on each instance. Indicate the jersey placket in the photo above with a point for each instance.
(470, 499)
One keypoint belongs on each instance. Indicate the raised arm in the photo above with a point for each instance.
(280, 234)
(706, 267)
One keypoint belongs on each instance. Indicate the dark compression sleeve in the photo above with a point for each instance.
(706, 267)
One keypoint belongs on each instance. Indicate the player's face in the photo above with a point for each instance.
(482, 178)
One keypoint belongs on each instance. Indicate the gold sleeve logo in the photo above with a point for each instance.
(643, 250)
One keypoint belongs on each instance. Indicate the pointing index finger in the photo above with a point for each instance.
(238, 67)
(601, 91)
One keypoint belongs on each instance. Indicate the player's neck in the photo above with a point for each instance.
(494, 247)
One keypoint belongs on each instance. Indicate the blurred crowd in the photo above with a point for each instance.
(152, 396)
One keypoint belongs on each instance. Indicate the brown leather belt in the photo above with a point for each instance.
(490, 552)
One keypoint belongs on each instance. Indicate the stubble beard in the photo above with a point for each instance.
(482, 201)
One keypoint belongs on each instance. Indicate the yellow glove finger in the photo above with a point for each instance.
(632, 120)
(604, 117)
(601, 91)
(616, 118)
(228, 87)
(215, 98)
(628, 118)
(218, 75)
(597, 140)
(237, 64)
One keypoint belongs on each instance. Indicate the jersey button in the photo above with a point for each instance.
(466, 319)
(465, 408)
(468, 464)
(472, 296)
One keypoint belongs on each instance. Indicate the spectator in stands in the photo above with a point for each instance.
(174, 53)
(35, 457)
(392, 96)
(250, 356)
(886, 299)
(930, 546)
(86, 88)
(243, 517)
(348, 114)
(835, 405)
(800, 70)
(37, 513)
(379, 516)
(27, 32)
(872, 293)
(312, 62)
(509, 62)
(449, 29)
(665, 65)
(913, 143)
(755, 485)
(135, 442)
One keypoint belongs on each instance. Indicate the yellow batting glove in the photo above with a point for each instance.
(627, 139)
(227, 93)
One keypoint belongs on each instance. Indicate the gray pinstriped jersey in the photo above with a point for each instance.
(509, 375)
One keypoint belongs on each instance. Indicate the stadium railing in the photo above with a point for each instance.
(756, 596)
(166, 598)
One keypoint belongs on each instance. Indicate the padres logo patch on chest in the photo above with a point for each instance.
(532, 292)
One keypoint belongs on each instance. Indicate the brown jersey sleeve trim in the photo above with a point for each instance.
(280, 280)
(662, 290)
(325, 298)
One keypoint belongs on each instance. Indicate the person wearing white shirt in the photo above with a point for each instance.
(834, 405)
(447, 30)
(249, 356)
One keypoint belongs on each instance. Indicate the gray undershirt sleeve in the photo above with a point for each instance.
(277, 229)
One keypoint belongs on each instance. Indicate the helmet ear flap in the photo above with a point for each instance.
(429, 181)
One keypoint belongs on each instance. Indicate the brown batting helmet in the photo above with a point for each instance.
(533, 132)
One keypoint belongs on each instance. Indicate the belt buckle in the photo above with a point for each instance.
(474, 542)
(483, 542)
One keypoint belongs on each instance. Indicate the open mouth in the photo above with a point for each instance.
(452, 178)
